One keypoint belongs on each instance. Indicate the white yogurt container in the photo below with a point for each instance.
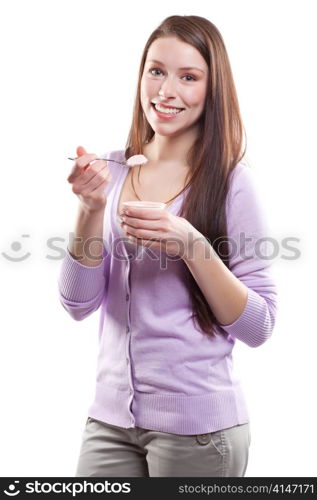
(145, 204)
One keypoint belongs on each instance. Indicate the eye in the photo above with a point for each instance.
(154, 69)
(192, 78)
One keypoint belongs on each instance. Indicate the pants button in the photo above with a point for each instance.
(203, 438)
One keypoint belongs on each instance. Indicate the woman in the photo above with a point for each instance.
(177, 286)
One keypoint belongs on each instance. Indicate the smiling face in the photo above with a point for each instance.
(165, 81)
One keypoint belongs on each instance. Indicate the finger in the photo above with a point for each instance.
(143, 213)
(141, 223)
(142, 233)
(98, 180)
(86, 159)
(100, 189)
(80, 165)
(94, 183)
(98, 167)
(80, 151)
(90, 180)
(98, 192)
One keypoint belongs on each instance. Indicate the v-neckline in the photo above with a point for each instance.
(120, 189)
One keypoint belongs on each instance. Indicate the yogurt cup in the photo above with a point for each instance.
(145, 204)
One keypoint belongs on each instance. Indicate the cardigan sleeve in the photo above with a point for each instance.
(250, 259)
(82, 288)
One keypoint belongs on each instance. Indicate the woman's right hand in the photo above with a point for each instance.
(89, 181)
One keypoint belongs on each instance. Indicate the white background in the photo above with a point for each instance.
(69, 72)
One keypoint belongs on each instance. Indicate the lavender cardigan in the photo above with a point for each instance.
(156, 369)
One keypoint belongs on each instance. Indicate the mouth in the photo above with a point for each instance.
(168, 114)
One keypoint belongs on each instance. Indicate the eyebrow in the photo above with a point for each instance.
(186, 68)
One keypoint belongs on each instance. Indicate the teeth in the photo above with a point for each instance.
(172, 111)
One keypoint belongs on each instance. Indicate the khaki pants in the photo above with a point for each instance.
(111, 451)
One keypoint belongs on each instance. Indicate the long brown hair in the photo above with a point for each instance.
(214, 154)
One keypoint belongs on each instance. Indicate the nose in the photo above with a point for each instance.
(168, 88)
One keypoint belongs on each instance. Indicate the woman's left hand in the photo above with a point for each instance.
(159, 229)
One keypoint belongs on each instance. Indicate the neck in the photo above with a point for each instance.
(170, 152)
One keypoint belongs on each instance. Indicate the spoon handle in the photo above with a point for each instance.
(106, 159)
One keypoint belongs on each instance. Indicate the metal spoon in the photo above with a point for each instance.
(130, 162)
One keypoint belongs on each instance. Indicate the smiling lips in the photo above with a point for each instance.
(166, 111)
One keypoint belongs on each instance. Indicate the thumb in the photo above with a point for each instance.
(80, 151)
(76, 171)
